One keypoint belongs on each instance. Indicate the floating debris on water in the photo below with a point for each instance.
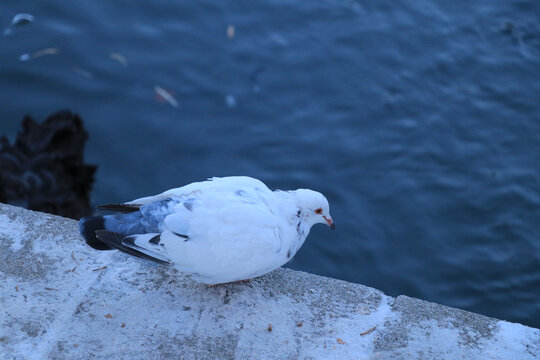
(84, 73)
(230, 100)
(254, 78)
(39, 53)
(165, 95)
(18, 20)
(47, 51)
(22, 19)
(278, 39)
(119, 57)
(230, 31)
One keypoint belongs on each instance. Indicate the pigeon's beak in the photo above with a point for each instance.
(330, 222)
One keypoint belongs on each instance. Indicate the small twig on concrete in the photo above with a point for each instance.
(101, 268)
(368, 331)
(73, 257)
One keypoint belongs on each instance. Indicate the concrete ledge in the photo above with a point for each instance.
(60, 299)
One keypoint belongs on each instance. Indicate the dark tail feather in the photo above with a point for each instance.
(123, 208)
(88, 227)
(115, 240)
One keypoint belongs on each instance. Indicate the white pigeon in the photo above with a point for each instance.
(220, 230)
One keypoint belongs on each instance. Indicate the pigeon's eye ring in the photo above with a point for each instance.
(318, 211)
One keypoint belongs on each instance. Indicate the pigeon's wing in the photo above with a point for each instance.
(196, 189)
(240, 227)
(219, 215)
(128, 245)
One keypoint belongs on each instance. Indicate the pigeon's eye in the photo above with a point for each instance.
(318, 211)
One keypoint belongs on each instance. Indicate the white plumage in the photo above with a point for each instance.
(220, 230)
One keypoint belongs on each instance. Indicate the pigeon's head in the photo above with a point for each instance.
(314, 207)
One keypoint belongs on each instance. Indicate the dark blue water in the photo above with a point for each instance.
(420, 122)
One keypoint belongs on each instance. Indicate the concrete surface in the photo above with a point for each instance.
(62, 300)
